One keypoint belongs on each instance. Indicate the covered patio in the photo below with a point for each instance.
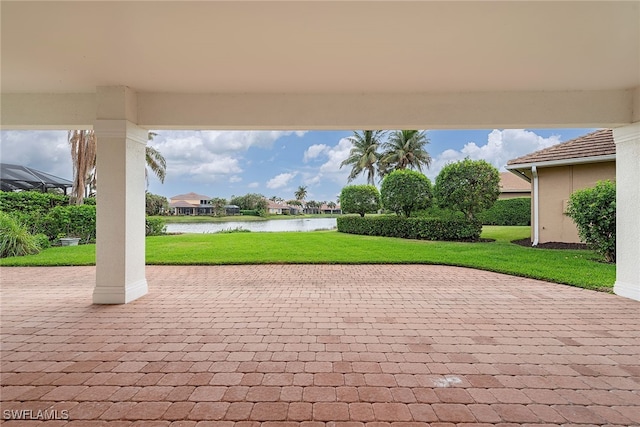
(290, 345)
(315, 65)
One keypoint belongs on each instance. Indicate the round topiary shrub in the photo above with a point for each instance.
(468, 186)
(405, 191)
(360, 199)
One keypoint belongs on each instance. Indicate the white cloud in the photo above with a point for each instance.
(330, 170)
(254, 185)
(211, 156)
(47, 151)
(280, 180)
(315, 151)
(501, 146)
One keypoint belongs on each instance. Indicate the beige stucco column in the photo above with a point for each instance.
(120, 249)
(627, 141)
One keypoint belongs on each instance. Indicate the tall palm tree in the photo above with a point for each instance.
(155, 161)
(301, 193)
(405, 149)
(83, 157)
(364, 154)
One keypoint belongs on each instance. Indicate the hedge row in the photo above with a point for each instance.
(411, 228)
(515, 211)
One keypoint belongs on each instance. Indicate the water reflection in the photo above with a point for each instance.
(308, 224)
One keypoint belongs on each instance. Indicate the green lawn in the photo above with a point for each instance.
(574, 267)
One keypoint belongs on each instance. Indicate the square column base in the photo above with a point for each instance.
(119, 295)
(627, 290)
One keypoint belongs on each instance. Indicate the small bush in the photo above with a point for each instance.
(233, 230)
(15, 239)
(154, 226)
(251, 212)
(594, 212)
(411, 228)
(405, 191)
(360, 199)
(515, 211)
(43, 241)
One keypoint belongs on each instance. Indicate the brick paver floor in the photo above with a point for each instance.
(317, 345)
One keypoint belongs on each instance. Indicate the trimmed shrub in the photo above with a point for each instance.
(469, 186)
(251, 212)
(71, 221)
(516, 211)
(360, 199)
(594, 212)
(405, 191)
(411, 228)
(154, 226)
(15, 239)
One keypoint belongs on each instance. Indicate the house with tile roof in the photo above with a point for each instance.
(190, 204)
(556, 172)
(512, 186)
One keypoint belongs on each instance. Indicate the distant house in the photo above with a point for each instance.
(512, 186)
(326, 209)
(190, 204)
(230, 210)
(558, 171)
(275, 208)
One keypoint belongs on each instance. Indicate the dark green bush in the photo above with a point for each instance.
(515, 211)
(154, 226)
(469, 186)
(411, 228)
(43, 241)
(360, 199)
(251, 212)
(15, 239)
(405, 191)
(30, 207)
(594, 212)
(71, 221)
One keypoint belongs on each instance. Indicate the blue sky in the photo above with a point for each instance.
(275, 163)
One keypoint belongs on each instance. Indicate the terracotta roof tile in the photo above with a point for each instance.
(594, 144)
(191, 196)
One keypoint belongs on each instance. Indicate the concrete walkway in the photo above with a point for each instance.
(309, 345)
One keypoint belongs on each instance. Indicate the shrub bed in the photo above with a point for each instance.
(71, 221)
(515, 211)
(411, 228)
(154, 226)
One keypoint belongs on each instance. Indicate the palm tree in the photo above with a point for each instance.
(364, 154)
(301, 193)
(404, 149)
(83, 157)
(155, 161)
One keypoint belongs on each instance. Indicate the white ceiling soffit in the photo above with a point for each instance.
(320, 47)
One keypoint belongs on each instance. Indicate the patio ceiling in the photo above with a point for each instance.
(269, 53)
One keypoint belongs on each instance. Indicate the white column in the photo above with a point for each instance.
(627, 141)
(120, 248)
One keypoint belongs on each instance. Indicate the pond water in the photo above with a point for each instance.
(302, 224)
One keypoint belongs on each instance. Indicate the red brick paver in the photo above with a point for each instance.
(318, 346)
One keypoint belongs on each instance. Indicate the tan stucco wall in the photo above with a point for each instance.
(514, 195)
(555, 186)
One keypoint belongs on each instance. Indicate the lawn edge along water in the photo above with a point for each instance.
(571, 267)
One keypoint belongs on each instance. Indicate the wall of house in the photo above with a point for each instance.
(555, 186)
(514, 194)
